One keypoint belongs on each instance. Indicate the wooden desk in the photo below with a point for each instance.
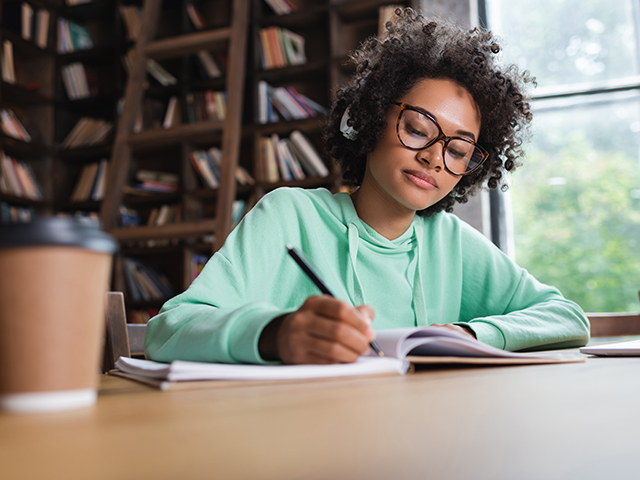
(573, 421)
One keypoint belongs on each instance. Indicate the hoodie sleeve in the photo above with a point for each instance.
(508, 308)
(220, 317)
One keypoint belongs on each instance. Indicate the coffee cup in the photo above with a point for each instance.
(54, 273)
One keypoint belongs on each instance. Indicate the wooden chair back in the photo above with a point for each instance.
(121, 339)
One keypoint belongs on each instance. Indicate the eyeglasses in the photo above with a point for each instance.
(417, 130)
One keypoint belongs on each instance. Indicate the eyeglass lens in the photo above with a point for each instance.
(417, 131)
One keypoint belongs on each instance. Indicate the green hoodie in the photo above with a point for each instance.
(439, 271)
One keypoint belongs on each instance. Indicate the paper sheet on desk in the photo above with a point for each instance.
(180, 371)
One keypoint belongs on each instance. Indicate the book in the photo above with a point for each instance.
(209, 65)
(285, 172)
(42, 27)
(267, 150)
(280, 47)
(27, 21)
(79, 81)
(437, 345)
(309, 152)
(181, 374)
(160, 74)
(196, 17)
(18, 179)
(91, 182)
(203, 167)
(172, 115)
(82, 190)
(87, 132)
(293, 47)
(12, 126)
(8, 68)
(281, 7)
(72, 36)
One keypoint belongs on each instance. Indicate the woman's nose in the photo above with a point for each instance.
(432, 155)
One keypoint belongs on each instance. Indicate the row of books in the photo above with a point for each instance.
(281, 7)
(292, 158)
(17, 178)
(152, 181)
(201, 106)
(280, 47)
(14, 214)
(207, 164)
(206, 105)
(164, 215)
(79, 81)
(91, 182)
(8, 67)
(31, 25)
(12, 126)
(145, 283)
(87, 132)
(287, 102)
(72, 37)
(128, 216)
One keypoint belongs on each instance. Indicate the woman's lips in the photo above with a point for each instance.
(421, 179)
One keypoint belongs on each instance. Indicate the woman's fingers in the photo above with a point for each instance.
(325, 328)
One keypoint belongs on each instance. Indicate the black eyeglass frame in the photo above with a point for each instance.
(404, 106)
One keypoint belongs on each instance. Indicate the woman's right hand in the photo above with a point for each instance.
(323, 330)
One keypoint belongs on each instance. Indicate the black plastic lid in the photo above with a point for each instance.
(60, 231)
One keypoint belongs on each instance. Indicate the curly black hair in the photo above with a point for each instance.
(414, 49)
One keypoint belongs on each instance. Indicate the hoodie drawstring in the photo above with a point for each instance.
(354, 286)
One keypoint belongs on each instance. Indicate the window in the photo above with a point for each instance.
(575, 202)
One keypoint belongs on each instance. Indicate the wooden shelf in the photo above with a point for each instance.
(81, 154)
(22, 201)
(187, 44)
(171, 136)
(14, 146)
(19, 95)
(313, 124)
(174, 230)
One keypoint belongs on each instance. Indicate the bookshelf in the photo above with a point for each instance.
(171, 227)
(183, 96)
(89, 36)
(27, 100)
(330, 29)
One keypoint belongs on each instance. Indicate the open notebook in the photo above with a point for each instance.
(437, 345)
(199, 374)
(426, 345)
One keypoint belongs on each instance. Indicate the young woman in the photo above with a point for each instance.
(429, 117)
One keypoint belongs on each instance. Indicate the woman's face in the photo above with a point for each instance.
(415, 180)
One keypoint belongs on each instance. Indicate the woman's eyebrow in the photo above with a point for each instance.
(467, 134)
(458, 132)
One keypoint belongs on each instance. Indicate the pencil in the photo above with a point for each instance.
(308, 270)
